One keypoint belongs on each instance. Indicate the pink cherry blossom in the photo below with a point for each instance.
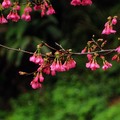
(86, 2)
(13, 15)
(27, 9)
(26, 17)
(43, 10)
(46, 70)
(6, 3)
(41, 78)
(84, 50)
(90, 57)
(16, 7)
(118, 49)
(106, 65)
(93, 65)
(50, 10)
(35, 85)
(69, 64)
(108, 29)
(116, 57)
(3, 20)
(72, 63)
(32, 58)
(81, 2)
(36, 59)
(53, 72)
(53, 66)
(114, 21)
(39, 59)
(45, 3)
(88, 64)
(75, 2)
(57, 66)
(37, 7)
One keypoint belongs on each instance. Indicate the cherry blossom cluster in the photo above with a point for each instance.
(117, 55)
(44, 6)
(95, 53)
(109, 25)
(50, 64)
(81, 2)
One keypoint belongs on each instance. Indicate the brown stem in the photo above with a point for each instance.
(77, 53)
(14, 49)
(48, 46)
(96, 44)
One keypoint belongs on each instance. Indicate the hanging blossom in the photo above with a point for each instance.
(6, 4)
(49, 64)
(81, 2)
(36, 82)
(117, 56)
(3, 19)
(92, 56)
(106, 65)
(45, 7)
(109, 25)
(118, 50)
(13, 15)
(50, 68)
(26, 14)
(92, 64)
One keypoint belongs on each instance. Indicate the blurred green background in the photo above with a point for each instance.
(79, 94)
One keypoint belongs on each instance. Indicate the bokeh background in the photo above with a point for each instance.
(79, 94)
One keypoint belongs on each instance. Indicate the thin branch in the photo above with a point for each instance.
(72, 53)
(49, 46)
(96, 44)
(14, 49)
(60, 46)
(101, 51)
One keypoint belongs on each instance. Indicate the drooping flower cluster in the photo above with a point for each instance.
(81, 2)
(6, 4)
(117, 56)
(49, 64)
(44, 6)
(93, 56)
(109, 25)
(13, 15)
(92, 62)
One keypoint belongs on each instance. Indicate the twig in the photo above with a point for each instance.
(14, 49)
(60, 46)
(96, 44)
(49, 46)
